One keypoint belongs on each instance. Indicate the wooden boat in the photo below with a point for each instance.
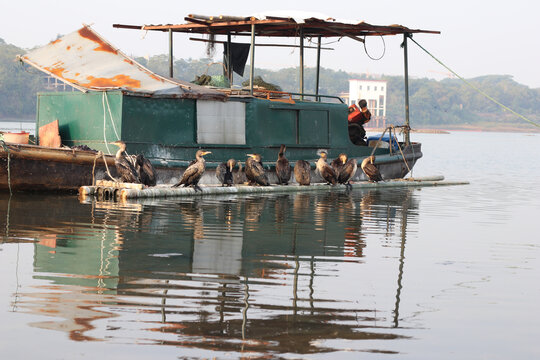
(167, 119)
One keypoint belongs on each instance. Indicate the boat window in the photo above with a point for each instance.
(221, 122)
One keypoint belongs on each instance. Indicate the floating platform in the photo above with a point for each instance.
(109, 190)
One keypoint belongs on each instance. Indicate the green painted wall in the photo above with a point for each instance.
(81, 116)
(165, 128)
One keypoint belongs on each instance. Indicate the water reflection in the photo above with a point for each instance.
(222, 273)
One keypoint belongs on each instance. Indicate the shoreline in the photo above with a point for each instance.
(467, 128)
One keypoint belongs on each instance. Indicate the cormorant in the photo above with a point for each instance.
(337, 164)
(347, 171)
(239, 175)
(124, 164)
(255, 171)
(302, 172)
(194, 171)
(224, 172)
(146, 171)
(371, 170)
(283, 168)
(325, 170)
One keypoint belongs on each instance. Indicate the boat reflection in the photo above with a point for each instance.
(224, 273)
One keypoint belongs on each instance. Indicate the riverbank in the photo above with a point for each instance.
(446, 129)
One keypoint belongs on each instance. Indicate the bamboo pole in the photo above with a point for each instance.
(163, 192)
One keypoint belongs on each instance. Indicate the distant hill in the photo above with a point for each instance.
(433, 103)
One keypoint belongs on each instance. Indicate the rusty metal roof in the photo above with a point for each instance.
(279, 25)
(86, 61)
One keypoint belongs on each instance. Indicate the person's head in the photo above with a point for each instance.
(362, 103)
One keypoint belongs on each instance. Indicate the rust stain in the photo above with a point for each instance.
(77, 74)
(59, 71)
(128, 61)
(90, 35)
(68, 47)
(117, 81)
(156, 77)
(55, 41)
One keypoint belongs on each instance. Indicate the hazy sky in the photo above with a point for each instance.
(477, 37)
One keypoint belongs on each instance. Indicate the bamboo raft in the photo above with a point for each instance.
(110, 190)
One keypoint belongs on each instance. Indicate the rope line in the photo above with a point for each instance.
(6, 149)
(399, 147)
(110, 114)
(474, 86)
(107, 167)
(105, 123)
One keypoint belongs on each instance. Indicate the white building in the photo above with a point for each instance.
(374, 91)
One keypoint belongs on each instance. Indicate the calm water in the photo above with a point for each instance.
(431, 273)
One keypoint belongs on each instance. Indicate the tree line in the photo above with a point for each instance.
(432, 102)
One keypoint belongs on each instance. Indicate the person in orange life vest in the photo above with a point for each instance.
(357, 133)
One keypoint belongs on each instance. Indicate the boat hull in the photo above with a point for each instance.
(38, 168)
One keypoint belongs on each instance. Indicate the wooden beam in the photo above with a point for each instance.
(269, 45)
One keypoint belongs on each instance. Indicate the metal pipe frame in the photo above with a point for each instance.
(406, 76)
(252, 59)
(302, 63)
(171, 67)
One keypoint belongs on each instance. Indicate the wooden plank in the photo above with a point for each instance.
(49, 135)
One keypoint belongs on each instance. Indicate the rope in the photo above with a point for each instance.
(107, 167)
(104, 122)
(382, 55)
(475, 87)
(94, 169)
(399, 147)
(378, 141)
(110, 114)
(6, 149)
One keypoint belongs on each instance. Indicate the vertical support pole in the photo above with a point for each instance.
(318, 68)
(406, 75)
(252, 59)
(171, 71)
(229, 60)
(302, 63)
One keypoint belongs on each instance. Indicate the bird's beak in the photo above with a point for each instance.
(206, 152)
(343, 160)
(250, 155)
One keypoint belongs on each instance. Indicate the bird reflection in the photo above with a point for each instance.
(254, 207)
(192, 216)
(301, 204)
(281, 206)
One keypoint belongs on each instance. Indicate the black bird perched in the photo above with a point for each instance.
(347, 171)
(370, 170)
(337, 164)
(283, 168)
(302, 172)
(255, 171)
(125, 164)
(325, 170)
(224, 172)
(146, 171)
(194, 171)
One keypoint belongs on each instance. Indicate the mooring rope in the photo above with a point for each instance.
(475, 87)
(6, 149)
(399, 147)
(107, 167)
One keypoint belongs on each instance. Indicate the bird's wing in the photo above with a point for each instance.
(221, 170)
(371, 171)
